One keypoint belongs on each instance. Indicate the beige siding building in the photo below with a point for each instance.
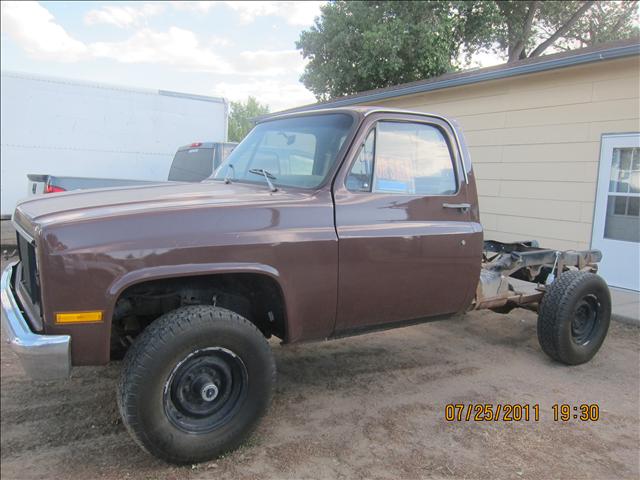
(537, 131)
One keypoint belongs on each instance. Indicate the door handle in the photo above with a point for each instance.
(463, 207)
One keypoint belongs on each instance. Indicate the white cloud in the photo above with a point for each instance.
(181, 48)
(177, 47)
(200, 7)
(34, 28)
(295, 13)
(302, 13)
(269, 62)
(277, 93)
(249, 11)
(123, 16)
(215, 41)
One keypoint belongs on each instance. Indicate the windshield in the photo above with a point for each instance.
(295, 152)
(191, 165)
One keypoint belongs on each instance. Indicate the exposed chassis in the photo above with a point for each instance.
(516, 274)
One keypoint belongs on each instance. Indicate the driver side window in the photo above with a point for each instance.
(404, 158)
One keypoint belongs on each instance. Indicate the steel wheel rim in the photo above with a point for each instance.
(205, 390)
(586, 318)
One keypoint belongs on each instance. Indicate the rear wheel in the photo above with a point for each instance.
(574, 317)
(195, 383)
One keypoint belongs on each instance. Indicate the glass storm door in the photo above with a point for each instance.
(616, 223)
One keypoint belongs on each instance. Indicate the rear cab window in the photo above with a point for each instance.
(191, 165)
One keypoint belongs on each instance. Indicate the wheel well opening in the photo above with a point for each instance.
(256, 297)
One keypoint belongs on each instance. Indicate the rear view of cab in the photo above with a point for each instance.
(197, 161)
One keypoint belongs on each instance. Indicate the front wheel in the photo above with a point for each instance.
(195, 383)
(574, 317)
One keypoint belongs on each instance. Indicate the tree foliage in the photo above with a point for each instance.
(356, 46)
(240, 118)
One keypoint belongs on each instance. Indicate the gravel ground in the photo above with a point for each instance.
(363, 407)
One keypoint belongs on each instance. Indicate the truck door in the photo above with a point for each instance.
(410, 242)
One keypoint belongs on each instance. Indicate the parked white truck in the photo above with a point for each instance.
(84, 129)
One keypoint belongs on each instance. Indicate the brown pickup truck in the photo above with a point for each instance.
(318, 225)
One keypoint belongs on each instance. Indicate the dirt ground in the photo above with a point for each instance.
(364, 407)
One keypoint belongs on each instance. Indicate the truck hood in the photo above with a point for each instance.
(82, 205)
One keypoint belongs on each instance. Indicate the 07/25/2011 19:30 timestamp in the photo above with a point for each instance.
(519, 412)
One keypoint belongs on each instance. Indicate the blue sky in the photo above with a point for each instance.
(230, 49)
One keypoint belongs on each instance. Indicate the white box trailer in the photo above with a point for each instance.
(77, 128)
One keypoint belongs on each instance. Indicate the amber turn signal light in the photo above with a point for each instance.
(79, 317)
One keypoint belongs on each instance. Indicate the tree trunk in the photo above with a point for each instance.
(517, 51)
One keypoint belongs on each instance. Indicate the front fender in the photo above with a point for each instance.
(185, 270)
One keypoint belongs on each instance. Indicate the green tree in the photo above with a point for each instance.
(240, 118)
(356, 46)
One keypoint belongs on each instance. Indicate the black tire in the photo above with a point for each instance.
(574, 317)
(195, 383)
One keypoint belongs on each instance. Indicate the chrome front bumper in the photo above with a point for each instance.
(44, 357)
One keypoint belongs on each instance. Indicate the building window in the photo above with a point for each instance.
(623, 202)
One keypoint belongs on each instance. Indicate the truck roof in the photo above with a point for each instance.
(360, 110)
